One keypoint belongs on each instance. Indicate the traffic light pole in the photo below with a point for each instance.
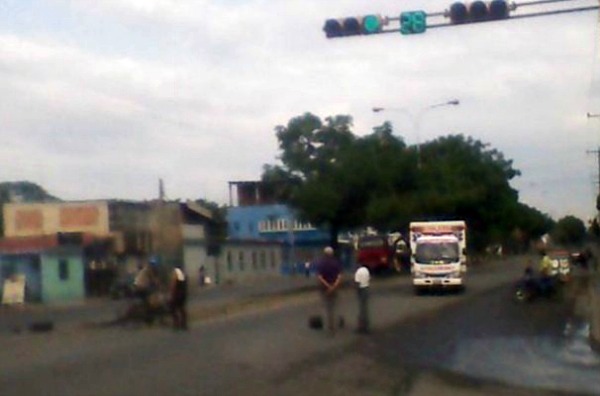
(416, 22)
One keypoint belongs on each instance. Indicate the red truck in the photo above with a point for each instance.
(380, 253)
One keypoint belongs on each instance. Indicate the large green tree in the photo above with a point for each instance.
(314, 176)
(569, 230)
(462, 177)
(338, 180)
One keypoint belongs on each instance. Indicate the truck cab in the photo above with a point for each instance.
(438, 258)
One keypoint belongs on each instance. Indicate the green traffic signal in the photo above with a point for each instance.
(372, 24)
(413, 22)
(354, 26)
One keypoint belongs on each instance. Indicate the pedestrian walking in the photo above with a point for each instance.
(307, 269)
(201, 276)
(362, 278)
(178, 298)
(329, 274)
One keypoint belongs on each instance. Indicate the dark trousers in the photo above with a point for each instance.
(363, 308)
(179, 313)
(329, 302)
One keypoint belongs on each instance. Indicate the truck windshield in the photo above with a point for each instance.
(434, 253)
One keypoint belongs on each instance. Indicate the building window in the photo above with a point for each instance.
(241, 260)
(272, 259)
(254, 262)
(229, 262)
(263, 259)
(63, 269)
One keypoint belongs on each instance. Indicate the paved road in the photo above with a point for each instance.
(267, 351)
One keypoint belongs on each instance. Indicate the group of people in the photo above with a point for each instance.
(147, 282)
(329, 274)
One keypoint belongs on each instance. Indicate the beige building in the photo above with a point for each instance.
(33, 219)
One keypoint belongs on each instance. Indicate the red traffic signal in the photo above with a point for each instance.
(478, 11)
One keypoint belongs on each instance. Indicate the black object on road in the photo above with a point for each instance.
(42, 326)
(315, 322)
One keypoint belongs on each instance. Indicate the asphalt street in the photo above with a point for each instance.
(268, 349)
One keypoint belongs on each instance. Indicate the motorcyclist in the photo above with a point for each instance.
(546, 278)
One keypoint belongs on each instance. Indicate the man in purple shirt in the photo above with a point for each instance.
(329, 273)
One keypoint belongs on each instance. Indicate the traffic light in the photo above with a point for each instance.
(354, 26)
(478, 11)
(413, 22)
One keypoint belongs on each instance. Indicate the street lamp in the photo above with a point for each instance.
(416, 119)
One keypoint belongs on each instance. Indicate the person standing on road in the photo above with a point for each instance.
(144, 284)
(178, 298)
(144, 281)
(201, 276)
(329, 273)
(362, 277)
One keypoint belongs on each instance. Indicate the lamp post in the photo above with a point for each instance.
(415, 119)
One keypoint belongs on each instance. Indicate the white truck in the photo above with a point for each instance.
(438, 254)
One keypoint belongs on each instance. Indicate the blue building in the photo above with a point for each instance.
(255, 216)
(52, 272)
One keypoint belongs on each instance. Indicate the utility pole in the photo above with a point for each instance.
(597, 153)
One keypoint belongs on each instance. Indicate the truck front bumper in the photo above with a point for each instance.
(437, 282)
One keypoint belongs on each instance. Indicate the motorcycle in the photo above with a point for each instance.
(531, 287)
(156, 309)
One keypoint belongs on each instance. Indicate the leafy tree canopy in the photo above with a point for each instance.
(339, 180)
(569, 230)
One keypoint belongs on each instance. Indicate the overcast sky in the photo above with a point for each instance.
(101, 98)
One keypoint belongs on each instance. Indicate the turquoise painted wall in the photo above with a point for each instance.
(71, 286)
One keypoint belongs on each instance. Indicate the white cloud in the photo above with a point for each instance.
(191, 91)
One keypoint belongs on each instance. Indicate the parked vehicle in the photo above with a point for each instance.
(375, 252)
(580, 259)
(138, 312)
(438, 254)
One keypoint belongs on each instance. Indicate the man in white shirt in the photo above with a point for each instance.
(362, 278)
